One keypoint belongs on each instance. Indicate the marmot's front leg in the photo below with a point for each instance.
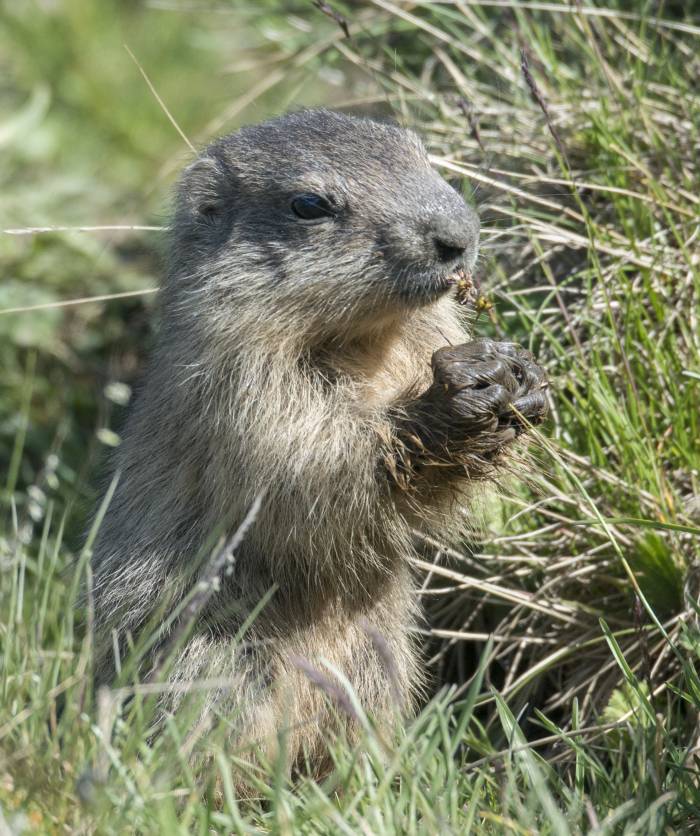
(475, 407)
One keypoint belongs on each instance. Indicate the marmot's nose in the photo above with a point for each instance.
(454, 236)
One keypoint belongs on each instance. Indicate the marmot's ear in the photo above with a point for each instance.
(202, 190)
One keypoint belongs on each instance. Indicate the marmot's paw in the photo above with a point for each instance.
(484, 387)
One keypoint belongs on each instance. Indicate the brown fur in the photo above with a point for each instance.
(295, 357)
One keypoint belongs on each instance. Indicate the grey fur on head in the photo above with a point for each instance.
(311, 264)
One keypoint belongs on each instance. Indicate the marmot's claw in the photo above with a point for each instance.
(533, 407)
(480, 407)
(489, 387)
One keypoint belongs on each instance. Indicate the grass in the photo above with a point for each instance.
(565, 637)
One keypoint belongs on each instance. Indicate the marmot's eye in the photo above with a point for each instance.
(312, 207)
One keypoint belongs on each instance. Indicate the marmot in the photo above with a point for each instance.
(310, 345)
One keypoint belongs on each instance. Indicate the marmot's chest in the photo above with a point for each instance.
(385, 377)
(389, 365)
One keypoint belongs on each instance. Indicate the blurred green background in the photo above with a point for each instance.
(85, 143)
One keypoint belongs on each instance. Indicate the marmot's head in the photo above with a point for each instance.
(320, 221)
